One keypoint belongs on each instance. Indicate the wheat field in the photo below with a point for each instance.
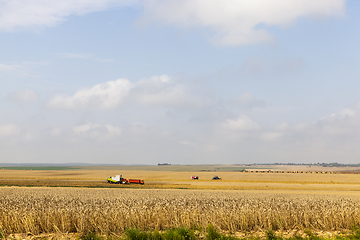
(111, 211)
(165, 179)
(241, 202)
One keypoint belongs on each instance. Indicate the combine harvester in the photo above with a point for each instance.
(120, 180)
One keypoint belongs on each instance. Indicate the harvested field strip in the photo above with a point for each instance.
(218, 185)
(107, 211)
(259, 181)
(184, 176)
(2, 179)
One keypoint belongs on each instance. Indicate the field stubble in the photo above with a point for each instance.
(173, 179)
(111, 211)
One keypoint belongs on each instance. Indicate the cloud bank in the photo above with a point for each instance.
(242, 123)
(231, 22)
(23, 14)
(153, 91)
(107, 95)
(237, 22)
(9, 130)
(164, 117)
(24, 95)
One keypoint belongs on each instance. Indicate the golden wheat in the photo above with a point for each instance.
(173, 179)
(106, 211)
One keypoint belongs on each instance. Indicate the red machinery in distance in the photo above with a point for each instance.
(138, 181)
(120, 180)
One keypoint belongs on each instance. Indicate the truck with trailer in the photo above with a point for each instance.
(118, 179)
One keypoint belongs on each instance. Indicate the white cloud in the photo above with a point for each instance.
(83, 56)
(85, 127)
(16, 69)
(248, 101)
(242, 123)
(138, 127)
(156, 90)
(96, 131)
(88, 127)
(9, 130)
(20, 14)
(236, 22)
(164, 91)
(285, 126)
(186, 143)
(357, 105)
(76, 55)
(10, 67)
(113, 130)
(24, 69)
(347, 112)
(24, 95)
(346, 115)
(284, 129)
(232, 22)
(107, 95)
(264, 65)
(55, 132)
(346, 122)
(270, 136)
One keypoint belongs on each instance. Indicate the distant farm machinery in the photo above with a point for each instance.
(118, 179)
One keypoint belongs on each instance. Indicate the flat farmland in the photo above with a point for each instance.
(77, 200)
(179, 177)
(43, 210)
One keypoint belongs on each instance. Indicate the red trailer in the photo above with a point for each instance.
(138, 181)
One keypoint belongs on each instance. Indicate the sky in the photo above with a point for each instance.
(179, 81)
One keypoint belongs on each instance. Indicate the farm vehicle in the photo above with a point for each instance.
(118, 179)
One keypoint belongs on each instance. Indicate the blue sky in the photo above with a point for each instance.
(184, 82)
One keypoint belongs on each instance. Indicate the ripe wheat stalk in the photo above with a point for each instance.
(106, 211)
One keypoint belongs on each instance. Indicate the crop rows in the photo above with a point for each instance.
(107, 211)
